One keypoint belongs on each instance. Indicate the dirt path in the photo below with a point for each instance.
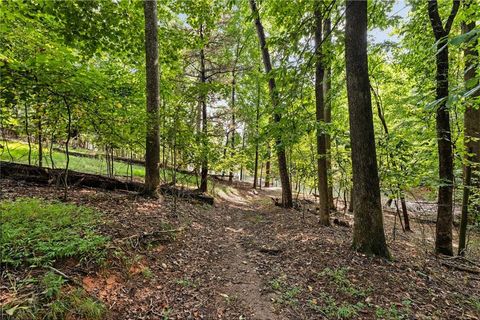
(211, 271)
(224, 266)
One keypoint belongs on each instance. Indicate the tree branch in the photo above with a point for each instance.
(435, 19)
(451, 17)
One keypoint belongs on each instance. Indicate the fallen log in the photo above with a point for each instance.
(461, 267)
(41, 175)
(47, 176)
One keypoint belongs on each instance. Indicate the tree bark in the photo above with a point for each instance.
(368, 232)
(230, 176)
(322, 177)
(287, 199)
(267, 167)
(327, 86)
(443, 241)
(471, 130)
(152, 154)
(203, 102)
(39, 141)
(257, 119)
(406, 219)
(27, 132)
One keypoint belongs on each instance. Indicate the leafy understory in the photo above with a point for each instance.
(38, 234)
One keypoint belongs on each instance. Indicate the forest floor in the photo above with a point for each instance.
(245, 258)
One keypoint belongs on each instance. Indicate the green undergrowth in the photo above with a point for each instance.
(38, 233)
(52, 298)
(35, 235)
(335, 297)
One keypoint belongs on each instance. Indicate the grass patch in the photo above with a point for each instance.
(19, 153)
(288, 295)
(37, 232)
(67, 303)
(329, 307)
(394, 312)
(339, 277)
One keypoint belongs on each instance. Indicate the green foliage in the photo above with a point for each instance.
(36, 232)
(52, 284)
(57, 301)
(394, 312)
(339, 277)
(328, 306)
(288, 295)
(88, 58)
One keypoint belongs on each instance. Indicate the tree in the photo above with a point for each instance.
(327, 87)
(322, 176)
(443, 241)
(287, 199)
(152, 153)
(471, 178)
(368, 233)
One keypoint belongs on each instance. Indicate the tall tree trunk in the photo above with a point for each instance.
(255, 168)
(39, 141)
(27, 132)
(350, 204)
(368, 232)
(327, 86)
(287, 199)
(152, 154)
(227, 140)
(243, 148)
(230, 176)
(203, 102)
(471, 130)
(322, 177)
(406, 220)
(443, 242)
(267, 167)
(257, 119)
(69, 135)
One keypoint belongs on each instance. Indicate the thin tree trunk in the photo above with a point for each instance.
(152, 155)
(39, 141)
(227, 140)
(368, 231)
(255, 169)
(443, 241)
(406, 220)
(322, 176)
(230, 176)
(27, 132)
(350, 204)
(327, 86)
(471, 130)
(287, 199)
(243, 148)
(267, 167)
(69, 135)
(257, 118)
(52, 138)
(203, 101)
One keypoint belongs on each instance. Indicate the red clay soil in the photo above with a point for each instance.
(244, 258)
